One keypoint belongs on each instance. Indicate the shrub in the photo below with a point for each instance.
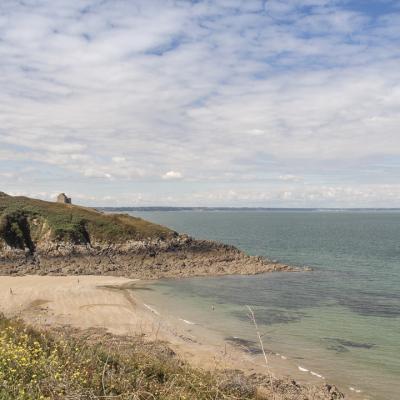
(52, 365)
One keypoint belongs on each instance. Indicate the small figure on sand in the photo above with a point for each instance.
(212, 307)
(11, 292)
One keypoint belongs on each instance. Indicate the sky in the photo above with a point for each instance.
(277, 103)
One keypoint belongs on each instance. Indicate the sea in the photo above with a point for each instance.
(341, 321)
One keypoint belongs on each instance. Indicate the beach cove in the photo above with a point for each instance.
(116, 305)
(327, 312)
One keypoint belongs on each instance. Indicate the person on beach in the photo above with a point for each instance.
(11, 292)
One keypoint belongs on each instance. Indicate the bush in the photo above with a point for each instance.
(42, 365)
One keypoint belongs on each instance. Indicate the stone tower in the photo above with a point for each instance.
(62, 198)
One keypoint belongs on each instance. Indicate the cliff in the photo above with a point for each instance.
(39, 237)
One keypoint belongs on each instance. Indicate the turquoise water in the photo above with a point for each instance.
(342, 319)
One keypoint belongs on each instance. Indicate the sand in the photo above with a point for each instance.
(100, 302)
(111, 303)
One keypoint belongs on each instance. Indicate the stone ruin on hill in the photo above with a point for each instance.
(62, 198)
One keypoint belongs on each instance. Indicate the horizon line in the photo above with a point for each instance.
(182, 208)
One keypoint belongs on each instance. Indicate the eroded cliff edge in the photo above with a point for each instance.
(38, 237)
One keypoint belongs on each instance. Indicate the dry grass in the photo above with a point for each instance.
(53, 365)
(70, 364)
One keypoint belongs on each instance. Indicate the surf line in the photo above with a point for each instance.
(281, 356)
(302, 369)
(355, 390)
(317, 375)
(187, 322)
(153, 310)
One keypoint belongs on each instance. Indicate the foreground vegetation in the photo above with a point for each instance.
(25, 221)
(41, 365)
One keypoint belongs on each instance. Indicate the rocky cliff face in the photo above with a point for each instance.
(181, 256)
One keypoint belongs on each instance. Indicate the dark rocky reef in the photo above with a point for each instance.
(180, 256)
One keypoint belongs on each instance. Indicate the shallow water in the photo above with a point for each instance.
(341, 321)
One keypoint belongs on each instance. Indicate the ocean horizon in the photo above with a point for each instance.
(272, 209)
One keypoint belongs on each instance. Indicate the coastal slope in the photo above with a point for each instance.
(39, 237)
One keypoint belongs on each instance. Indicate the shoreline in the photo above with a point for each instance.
(281, 362)
(111, 303)
(177, 257)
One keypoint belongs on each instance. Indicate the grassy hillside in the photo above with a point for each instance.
(25, 221)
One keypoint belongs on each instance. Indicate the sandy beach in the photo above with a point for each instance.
(111, 303)
(106, 303)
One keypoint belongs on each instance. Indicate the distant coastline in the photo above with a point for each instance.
(250, 209)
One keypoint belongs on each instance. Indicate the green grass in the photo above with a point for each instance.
(22, 217)
(52, 365)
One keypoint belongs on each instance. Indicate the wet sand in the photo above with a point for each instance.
(111, 303)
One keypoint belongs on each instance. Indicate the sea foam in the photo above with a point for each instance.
(187, 322)
(153, 310)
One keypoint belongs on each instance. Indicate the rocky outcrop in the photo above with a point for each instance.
(39, 237)
(180, 256)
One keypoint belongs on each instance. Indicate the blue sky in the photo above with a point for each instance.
(274, 103)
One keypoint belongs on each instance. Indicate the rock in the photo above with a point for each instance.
(149, 259)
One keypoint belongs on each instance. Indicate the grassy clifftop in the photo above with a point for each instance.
(25, 221)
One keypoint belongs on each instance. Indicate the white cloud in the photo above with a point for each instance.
(119, 160)
(92, 173)
(256, 132)
(101, 93)
(280, 197)
(290, 178)
(172, 175)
